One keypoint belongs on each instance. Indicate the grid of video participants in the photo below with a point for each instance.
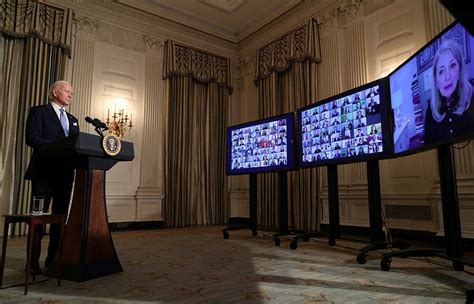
(262, 145)
(346, 127)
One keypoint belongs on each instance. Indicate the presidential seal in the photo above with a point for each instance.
(111, 144)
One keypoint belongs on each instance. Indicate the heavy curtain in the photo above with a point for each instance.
(286, 78)
(35, 44)
(197, 89)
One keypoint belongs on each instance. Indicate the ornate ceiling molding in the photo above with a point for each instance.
(327, 20)
(350, 8)
(330, 14)
(121, 16)
(228, 6)
(217, 17)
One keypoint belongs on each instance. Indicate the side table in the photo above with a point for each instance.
(33, 221)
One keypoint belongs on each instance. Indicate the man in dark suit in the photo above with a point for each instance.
(50, 178)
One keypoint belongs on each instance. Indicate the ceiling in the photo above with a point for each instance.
(232, 20)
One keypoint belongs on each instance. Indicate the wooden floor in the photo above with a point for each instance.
(196, 265)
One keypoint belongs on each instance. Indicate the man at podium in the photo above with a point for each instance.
(50, 178)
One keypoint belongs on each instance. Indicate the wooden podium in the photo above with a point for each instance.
(88, 250)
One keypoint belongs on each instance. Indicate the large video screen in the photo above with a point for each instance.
(350, 127)
(261, 146)
(431, 93)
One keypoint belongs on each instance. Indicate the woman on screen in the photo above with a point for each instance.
(373, 130)
(450, 112)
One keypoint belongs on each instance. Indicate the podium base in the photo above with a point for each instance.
(84, 272)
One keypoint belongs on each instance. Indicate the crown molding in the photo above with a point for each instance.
(177, 18)
(284, 23)
(191, 22)
(246, 33)
(225, 5)
(120, 16)
(330, 15)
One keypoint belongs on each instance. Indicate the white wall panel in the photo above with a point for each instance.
(118, 83)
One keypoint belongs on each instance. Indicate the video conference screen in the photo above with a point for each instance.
(432, 93)
(261, 146)
(352, 126)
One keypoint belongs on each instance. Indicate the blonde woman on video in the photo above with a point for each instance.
(450, 112)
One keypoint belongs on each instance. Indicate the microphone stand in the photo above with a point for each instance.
(99, 130)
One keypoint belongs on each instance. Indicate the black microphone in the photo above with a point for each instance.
(100, 124)
(95, 122)
(90, 120)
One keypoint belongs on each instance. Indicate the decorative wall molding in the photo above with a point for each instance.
(239, 202)
(438, 17)
(394, 29)
(354, 210)
(326, 12)
(121, 208)
(152, 173)
(93, 29)
(153, 45)
(249, 65)
(329, 83)
(327, 20)
(355, 50)
(83, 57)
(237, 70)
(350, 8)
(122, 16)
(86, 26)
(121, 37)
(371, 6)
(149, 204)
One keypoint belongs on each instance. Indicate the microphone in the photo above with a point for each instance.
(99, 125)
(96, 123)
(90, 120)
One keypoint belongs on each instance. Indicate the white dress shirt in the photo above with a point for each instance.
(57, 108)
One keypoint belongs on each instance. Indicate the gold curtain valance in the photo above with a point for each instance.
(23, 18)
(204, 67)
(299, 45)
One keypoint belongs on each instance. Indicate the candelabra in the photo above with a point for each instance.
(120, 122)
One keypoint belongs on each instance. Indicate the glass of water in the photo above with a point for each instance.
(37, 205)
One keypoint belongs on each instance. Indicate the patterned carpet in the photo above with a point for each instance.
(196, 265)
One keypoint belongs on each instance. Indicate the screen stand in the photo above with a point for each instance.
(252, 225)
(375, 216)
(452, 223)
(283, 209)
(333, 197)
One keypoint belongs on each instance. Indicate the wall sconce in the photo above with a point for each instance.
(120, 123)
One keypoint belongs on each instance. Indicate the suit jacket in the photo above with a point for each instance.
(43, 127)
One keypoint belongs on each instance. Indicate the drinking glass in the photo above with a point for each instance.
(37, 205)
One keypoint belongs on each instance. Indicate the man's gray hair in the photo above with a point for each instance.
(55, 86)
